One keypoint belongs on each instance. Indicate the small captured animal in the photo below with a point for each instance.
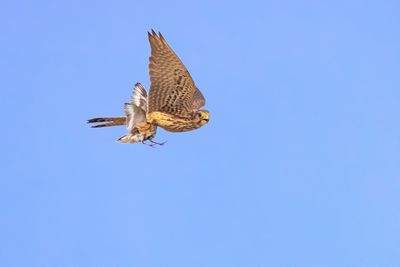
(135, 116)
(173, 102)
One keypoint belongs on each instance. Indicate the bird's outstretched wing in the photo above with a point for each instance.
(172, 88)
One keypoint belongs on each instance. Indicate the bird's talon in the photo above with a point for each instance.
(156, 143)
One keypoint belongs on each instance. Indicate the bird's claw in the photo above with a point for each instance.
(153, 143)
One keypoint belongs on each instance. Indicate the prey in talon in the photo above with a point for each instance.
(135, 116)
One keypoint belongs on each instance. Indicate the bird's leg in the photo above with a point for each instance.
(150, 145)
(144, 127)
(156, 143)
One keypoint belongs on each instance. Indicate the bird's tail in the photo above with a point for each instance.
(110, 121)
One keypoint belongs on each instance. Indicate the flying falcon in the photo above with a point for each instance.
(173, 102)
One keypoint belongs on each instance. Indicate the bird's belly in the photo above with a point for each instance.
(171, 123)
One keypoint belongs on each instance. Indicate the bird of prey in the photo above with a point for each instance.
(173, 103)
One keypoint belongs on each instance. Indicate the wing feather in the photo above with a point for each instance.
(136, 110)
(198, 100)
(172, 88)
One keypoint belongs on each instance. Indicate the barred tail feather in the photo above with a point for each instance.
(109, 121)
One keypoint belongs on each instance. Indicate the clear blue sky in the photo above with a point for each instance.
(299, 165)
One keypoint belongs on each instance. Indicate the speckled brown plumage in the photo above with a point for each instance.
(172, 89)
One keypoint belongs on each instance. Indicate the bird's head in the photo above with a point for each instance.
(203, 116)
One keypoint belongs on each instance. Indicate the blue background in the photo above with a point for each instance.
(299, 165)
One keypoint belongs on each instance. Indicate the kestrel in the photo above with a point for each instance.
(173, 102)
